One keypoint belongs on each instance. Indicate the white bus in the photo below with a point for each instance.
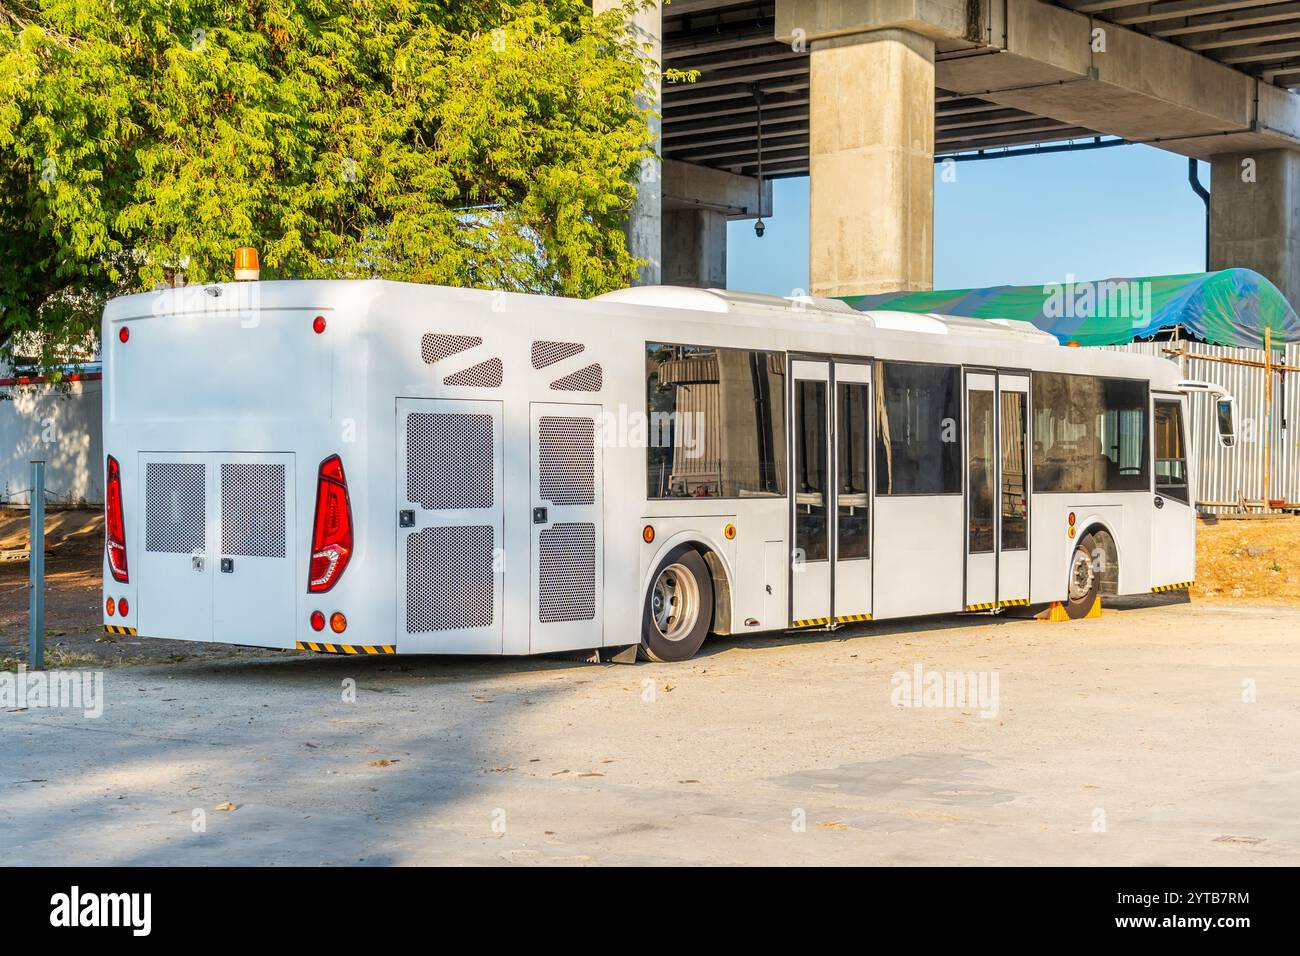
(375, 467)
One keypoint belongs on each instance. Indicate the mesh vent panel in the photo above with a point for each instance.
(449, 460)
(566, 460)
(435, 348)
(252, 509)
(587, 379)
(175, 505)
(566, 573)
(450, 579)
(548, 353)
(483, 375)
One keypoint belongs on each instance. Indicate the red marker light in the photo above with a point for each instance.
(317, 621)
(123, 334)
(123, 607)
(318, 324)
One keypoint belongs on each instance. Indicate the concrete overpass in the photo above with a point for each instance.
(863, 95)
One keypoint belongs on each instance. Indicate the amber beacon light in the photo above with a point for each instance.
(246, 265)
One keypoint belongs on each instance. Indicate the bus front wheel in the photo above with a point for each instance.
(678, 608)
(1085, 581)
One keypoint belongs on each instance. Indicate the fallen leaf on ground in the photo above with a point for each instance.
(225, 806)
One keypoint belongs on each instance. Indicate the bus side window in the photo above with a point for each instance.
(1171, 452)
(1225, 414)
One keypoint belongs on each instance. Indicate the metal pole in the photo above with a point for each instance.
(36, 565)
(1268, 411)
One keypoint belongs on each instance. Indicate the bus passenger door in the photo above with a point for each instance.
(1173, 521)
(853, 449)
(812, 494)
(981, 491)
(1013, 489)
(997, 492)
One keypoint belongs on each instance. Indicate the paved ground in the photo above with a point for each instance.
(1133, 725)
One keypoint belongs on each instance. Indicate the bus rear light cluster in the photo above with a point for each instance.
(114, 524)
(331, 541)
(338, 623)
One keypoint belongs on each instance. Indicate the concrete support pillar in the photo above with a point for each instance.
(698, 202)
(644, 220)
(1255, 216)
(871, 133)
(695, 248)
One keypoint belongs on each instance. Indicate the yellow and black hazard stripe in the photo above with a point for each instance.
(812, 622)
(828, 621)
(994, 605)
(119, 629)
(1181, 586)
(323, 648)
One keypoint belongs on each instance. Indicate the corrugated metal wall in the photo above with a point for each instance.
(1225, 476)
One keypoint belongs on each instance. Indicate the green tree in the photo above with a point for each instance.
(462, 142)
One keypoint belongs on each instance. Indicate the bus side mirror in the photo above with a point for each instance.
(1225, 414)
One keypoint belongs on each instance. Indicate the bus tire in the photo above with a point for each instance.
(1083, 583)
(678, 607)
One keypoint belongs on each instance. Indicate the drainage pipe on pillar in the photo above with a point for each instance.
(1194, 179)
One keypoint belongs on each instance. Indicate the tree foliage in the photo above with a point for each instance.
(462, 142)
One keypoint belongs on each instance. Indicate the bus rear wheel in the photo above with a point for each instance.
(678, 608)
(1084, 583)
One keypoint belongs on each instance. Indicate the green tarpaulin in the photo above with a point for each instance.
(1231, 307)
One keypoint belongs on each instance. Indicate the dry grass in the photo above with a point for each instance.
(79, 531)
(1252, 560)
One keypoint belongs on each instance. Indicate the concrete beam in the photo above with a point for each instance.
(1047, 60)
(688, 187)
(809, 20)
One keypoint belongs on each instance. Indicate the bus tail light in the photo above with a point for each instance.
(114, 525)
(331, 540)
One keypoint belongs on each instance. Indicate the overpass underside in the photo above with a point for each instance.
(862, 96)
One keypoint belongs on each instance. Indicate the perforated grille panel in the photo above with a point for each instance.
(566, 460)
(449, 460)
(252, 509)
(435, 348)
(587, 379)
(175, 506)
(566, 573)
(449, 579)
(483, 375)
(548, 353)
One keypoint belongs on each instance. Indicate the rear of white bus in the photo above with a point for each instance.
(230, 486)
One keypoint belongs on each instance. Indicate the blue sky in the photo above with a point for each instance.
(1093, 214)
